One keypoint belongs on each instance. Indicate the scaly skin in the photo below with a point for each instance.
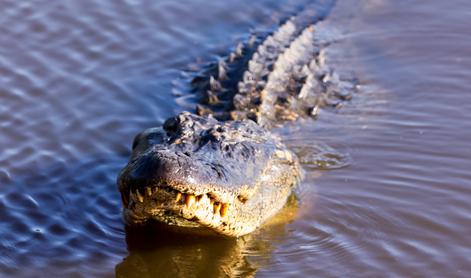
(223, 170)
(199, 172)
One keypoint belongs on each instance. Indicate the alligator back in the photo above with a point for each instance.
(273, 78)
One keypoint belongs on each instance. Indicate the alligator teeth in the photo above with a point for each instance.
(149, 191)
(190, 200)
(178, 197)
(203, 199)
(216, 208)
(224, 209)
(139, 196)
(133, 196)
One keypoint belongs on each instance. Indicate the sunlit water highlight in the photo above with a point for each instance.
(79, 78)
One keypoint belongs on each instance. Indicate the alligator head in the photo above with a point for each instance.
(228, 177)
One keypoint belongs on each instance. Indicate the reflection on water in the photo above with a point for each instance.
(159, 251)
(165, 254)
(79, 78)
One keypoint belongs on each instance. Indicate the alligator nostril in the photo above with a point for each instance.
(142, 173)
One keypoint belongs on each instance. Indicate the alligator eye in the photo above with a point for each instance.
(146, 138)
(171, 124)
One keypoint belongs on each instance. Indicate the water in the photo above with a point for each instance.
(79, 78)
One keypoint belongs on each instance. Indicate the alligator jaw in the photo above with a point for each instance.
(173, 207)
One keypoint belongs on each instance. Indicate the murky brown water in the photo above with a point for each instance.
(79, 78)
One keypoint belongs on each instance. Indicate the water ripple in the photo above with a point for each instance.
(79, 78)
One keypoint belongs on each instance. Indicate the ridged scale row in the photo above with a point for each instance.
(285, 77)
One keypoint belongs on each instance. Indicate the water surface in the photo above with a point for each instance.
(78, 79)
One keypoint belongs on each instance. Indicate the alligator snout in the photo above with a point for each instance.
(176, 169)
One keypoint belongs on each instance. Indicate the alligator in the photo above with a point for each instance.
(222, 169)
